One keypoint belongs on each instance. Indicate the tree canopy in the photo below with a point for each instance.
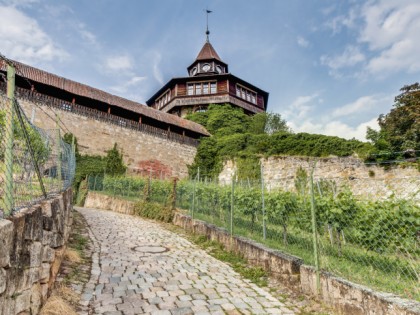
(400, 128)
(243, 138)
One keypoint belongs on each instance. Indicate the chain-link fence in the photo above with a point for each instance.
(375, 242)
(34, 163)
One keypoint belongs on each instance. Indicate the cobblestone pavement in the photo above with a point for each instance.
(140, 268)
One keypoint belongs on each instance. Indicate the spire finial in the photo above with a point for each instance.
(207, 30)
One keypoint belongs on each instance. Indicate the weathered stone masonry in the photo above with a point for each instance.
(142, 152)
(32, 245)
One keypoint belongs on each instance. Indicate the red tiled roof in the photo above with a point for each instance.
(208, 52)
(80, 89)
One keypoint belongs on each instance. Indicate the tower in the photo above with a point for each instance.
(208, 82)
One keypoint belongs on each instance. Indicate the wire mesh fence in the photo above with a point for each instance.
(34, 163)
(375, 242)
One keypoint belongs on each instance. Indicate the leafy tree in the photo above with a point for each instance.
(268, 123)
(400, 128)
(114, 162)
(275, 123)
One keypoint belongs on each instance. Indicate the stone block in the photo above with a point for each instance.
(48, 254)
(35, 252)
(55, 266)
(7, 305)
(3, 280)
(33, 224)
(44, 292)
(6, 241)
(46, 208)
(44, 276)
(36, 298)
(22, 301)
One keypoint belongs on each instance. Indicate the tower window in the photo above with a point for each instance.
(199, 88)
(246, 94)
(163, 100)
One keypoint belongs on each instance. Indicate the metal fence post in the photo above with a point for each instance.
(193, 201)
(58, 152)
(262, 201)
(315, 232)
(232, 205)
(8, 141)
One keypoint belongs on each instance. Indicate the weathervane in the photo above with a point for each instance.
(207, 31)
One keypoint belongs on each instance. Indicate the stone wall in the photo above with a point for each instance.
(368, 181)
(100, 201)
(32, 245)
(142, 152)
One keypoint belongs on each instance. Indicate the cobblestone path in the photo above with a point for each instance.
(141, 268)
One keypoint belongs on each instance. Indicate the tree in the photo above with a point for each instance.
(268, 123)
(400, 128)
(275, 123)
(114, 164)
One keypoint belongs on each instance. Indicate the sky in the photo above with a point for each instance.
(331, 66)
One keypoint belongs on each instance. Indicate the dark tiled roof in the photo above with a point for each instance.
(80, 89)
(208, 52)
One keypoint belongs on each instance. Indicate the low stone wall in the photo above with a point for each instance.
(282, 266)
(32, 245)
(101, 201)
(345, 296)
(350, 298)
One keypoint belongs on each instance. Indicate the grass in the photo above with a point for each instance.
(255, 274)
(56, 305)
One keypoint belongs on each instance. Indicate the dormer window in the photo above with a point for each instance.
(246, 94)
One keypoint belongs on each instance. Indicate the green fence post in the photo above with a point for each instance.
(232, 204)
(315, 232)
(193, 201)
(8, 141)
(58, 140)
(262, 202)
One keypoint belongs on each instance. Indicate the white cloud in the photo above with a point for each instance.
(125, 86)
(89, 36)
(309, 114)
(391, 31)
(349, 58)
(386, 38)
(302, 42)
(335, 128)
(118, 63)
(157, 73)
(301, 106)
(22, 38)
(361, 105)
(19, 3)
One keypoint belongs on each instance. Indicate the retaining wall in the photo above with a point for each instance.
(370, 181)
(32, 245)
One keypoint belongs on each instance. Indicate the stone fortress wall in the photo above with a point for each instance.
(142, 152)
(364, 180)
(32, 246)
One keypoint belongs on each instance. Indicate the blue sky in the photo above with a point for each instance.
(330, 66)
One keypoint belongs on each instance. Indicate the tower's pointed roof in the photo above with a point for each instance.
(207, 53)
